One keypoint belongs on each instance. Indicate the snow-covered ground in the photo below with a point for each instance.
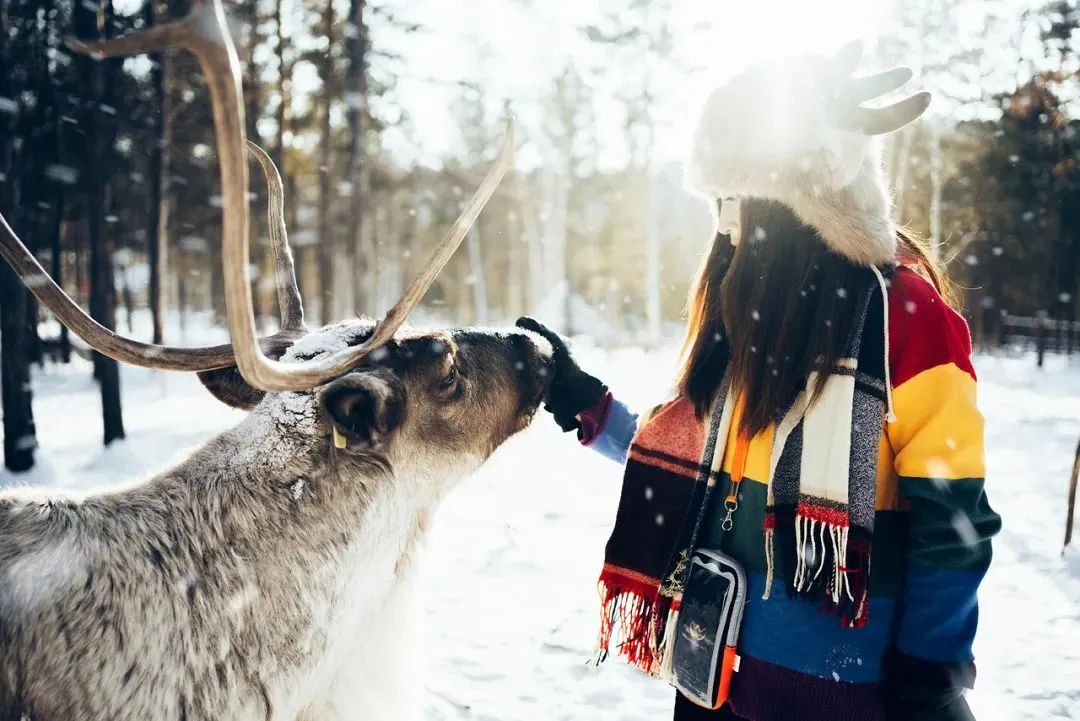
(510, 600)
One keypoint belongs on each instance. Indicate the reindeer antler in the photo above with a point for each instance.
(848, 94)
(289, 301)
(150, 355)
(204, 32)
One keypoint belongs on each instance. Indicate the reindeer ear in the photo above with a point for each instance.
(229, 387)
(365, 408)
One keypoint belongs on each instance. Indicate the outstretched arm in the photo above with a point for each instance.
(608, 427)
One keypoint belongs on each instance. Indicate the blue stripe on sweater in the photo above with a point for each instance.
(941, 612)
(794, 634)
(614, 440)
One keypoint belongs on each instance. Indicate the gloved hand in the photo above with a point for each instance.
(571, 390)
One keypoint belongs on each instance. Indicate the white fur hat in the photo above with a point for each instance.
(793, 132)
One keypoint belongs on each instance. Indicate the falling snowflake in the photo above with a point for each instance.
(965, 529)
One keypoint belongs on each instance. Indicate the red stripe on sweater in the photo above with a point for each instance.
(924, 332)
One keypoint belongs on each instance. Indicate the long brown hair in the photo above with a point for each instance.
(783, 302)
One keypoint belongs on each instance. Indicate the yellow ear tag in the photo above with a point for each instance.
(339, 440)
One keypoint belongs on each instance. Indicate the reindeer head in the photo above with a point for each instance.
(369, 392)
(429, 405)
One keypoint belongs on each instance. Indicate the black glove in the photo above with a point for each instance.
(917, 690)
(572, 390)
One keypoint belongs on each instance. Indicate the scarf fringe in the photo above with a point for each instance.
(828, 566)
(666, 646)
(627, 620)
(856, 612)
(770, 557)
(819, 546)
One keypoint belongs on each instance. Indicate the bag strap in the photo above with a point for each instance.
(738, 470)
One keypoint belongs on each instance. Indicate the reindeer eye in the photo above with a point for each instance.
(450, 379)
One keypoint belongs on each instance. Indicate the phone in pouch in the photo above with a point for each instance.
(707, 629)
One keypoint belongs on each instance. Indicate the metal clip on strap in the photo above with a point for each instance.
(738, 469)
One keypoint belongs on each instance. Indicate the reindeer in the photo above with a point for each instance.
(270, 575)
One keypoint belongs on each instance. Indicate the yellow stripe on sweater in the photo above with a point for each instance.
(759, 452)
(938, 434)
(938, 431)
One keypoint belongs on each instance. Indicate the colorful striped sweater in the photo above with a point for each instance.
(931, 543)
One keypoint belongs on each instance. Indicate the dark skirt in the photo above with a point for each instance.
(689, 711)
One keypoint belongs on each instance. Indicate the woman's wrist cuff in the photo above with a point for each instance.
(594, 418)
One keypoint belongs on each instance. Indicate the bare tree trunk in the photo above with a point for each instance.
(33, 337)
(103, 307)
(283, 72)
(935, 192)
(326, 234)
(476, 276)
(157, 225)
(57, 271)
(128, 298)
(653, 314)
(182, 292)
(252, 107)
(356, 95)
(903, 157)
(652, 253)
(157, 218)
(82, 279)
(555, 264)
(282, 117)
(98, 73)
(216, 301)
(534, 265)
(20, 436)
(515, 265)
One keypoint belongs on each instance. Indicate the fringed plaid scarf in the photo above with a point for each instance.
(821, 499)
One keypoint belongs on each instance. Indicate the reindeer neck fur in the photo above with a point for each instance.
(266, 571)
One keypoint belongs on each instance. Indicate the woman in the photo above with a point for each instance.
(824, 434)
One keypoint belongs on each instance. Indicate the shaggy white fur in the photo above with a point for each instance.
(768, 133)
